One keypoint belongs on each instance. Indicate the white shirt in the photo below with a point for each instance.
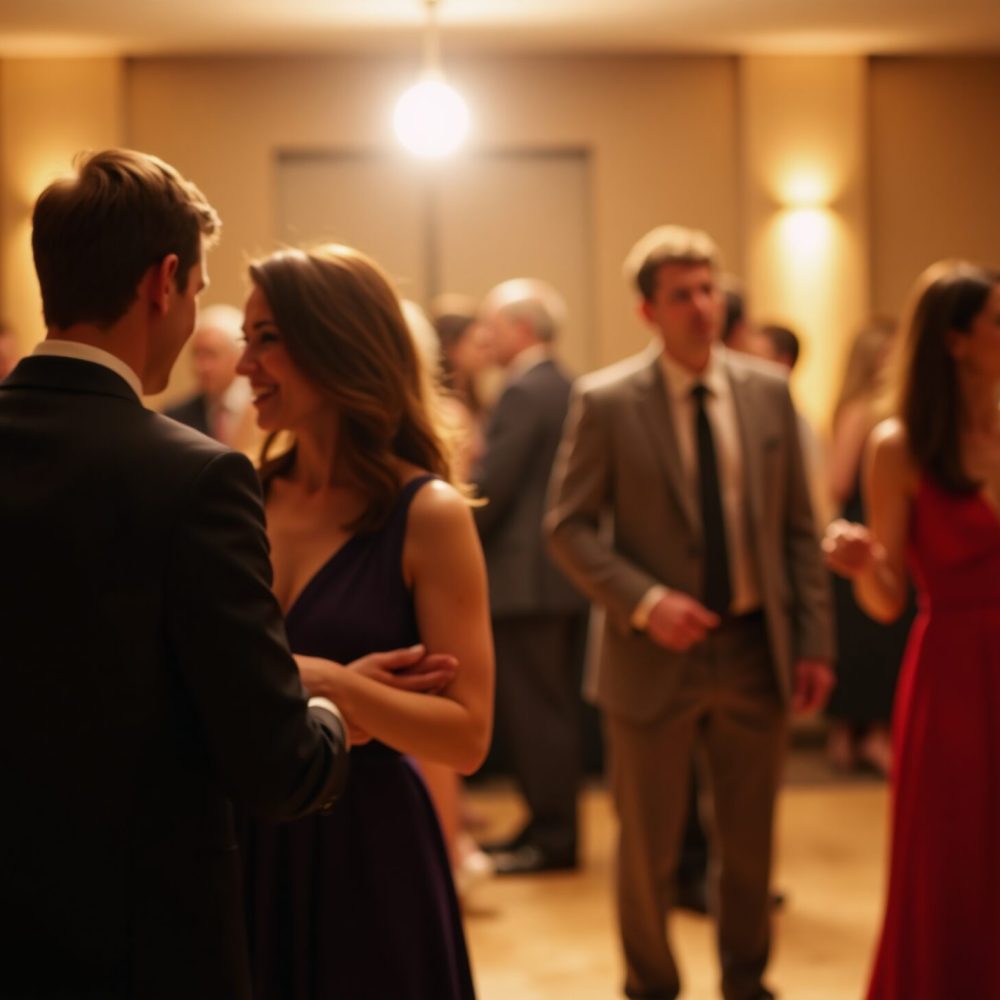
(721, 412)
(55, 348)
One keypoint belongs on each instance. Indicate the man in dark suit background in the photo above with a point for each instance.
(145, 672)
(220, 404)
(539, 620)
(717, 602)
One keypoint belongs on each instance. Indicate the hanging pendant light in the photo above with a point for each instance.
(431, 118)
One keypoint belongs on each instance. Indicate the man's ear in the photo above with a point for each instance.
(644, 309)
(162, 282)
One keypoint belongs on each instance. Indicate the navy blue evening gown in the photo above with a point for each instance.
(357, 904)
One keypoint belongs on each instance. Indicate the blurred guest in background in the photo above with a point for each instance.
(736, 331)
(539, 618)
(459, 414)
(868, 652)
(781, 345)
(219, 408)
(465, 354)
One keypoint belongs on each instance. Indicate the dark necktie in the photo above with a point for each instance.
(718, 590)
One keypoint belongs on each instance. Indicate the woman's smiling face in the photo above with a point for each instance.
(284, 397)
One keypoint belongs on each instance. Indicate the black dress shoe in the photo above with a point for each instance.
(528, 859)
(505, 846)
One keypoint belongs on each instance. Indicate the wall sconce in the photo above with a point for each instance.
(804, 215)
(431, 119)
(805, 186)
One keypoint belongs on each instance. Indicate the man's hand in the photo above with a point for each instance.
(678, 622)
(814, 680)
(412, 669)
(848, 547)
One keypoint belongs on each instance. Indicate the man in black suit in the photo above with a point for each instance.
(146, 677)
(539, 620)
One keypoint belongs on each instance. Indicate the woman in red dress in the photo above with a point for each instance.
(932, 491)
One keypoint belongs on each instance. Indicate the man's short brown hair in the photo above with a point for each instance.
(96, 233)
(667, 245)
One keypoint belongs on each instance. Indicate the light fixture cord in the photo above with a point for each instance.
(432, 44)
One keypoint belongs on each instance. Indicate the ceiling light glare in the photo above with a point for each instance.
(431, 119)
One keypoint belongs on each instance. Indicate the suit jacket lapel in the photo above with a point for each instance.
(658, 417)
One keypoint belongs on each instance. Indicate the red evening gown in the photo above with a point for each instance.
(941, 935)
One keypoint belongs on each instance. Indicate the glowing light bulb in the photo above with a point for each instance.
(431, 119)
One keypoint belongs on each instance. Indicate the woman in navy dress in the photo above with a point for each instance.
(373, 549)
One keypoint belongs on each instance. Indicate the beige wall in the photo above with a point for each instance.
(806, 209)
(49, 110)
(935, 153)
(694, 140)
(662, 134)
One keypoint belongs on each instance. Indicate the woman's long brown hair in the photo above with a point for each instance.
(343, 328)
(947, 298)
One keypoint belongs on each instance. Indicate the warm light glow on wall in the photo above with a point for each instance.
(804, 127)
(805, 235)
(805, 187)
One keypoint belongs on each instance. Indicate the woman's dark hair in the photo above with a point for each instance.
(343, 327)
(946, 300)
(450, 328)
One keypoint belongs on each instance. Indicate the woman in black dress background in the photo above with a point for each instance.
(868, 653)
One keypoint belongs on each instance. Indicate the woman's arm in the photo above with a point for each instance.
(443, 563)
(874, 557)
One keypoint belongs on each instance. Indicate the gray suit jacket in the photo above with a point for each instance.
(522, 437)
(620, 464)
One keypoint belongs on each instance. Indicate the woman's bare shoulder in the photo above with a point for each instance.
(438, 505)
(890, 452)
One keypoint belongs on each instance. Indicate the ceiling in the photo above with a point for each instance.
(142, 27)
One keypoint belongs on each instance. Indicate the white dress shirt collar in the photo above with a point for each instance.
(680, 380)
(55, 348)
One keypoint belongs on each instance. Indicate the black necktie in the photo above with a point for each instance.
(718, 590)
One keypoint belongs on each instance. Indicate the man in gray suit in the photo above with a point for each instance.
(718, 612)
(538, 618)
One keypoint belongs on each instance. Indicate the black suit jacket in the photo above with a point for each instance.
(193, 412)
(522, 437)
(146, 680)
